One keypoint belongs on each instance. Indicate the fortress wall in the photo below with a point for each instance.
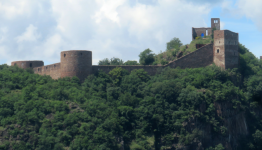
(151, 70)
(202, 57)
(53, 70)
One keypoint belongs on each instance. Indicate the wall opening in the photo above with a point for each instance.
(64, 55)
(206, 32)
(15, 63)
(217, 50)
(80, 53)
(38, 69)
(30, 64)
(45, 67)
(54, 66)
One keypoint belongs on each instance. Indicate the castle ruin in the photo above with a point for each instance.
(223, 52)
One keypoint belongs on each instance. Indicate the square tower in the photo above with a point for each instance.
(215, 23)
(225, 49)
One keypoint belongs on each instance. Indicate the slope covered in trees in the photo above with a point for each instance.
(174, 109)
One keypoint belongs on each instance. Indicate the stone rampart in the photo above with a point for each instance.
(200, 58)
(53, 70)
(151, 70)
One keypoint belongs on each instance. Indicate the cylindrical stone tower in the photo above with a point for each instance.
(76, 63)
(28, 63)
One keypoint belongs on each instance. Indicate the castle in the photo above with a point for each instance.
(223, 52)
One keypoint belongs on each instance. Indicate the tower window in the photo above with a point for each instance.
(30, 64)
(64, 55)
(217, 50)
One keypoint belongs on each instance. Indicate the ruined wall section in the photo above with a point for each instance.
(198, 31)
(28, 63)
(215, 23)
(151, 70)
(52, 70)
(202, 57)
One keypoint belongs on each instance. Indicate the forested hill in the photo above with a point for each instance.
(195, 109)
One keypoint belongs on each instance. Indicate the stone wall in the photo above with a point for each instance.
(200, 58)
(151, 70)
(215, 24)
(219, 48)
(28, 63)
(53, 70)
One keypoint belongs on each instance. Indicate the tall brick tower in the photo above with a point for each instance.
(76, 63)
(225, 49)
(215, 23)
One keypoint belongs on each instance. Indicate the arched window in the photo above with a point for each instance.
(217, 50)
(64, 55)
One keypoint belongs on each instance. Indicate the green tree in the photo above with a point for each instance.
(105, 61)
(131, 62)
(146, 57)
(175, 43)
(116, 61)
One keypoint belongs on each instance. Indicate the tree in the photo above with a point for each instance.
(146, 57)
(105, 61)
(116, 61)
(131, 62)
(175, 43)
(112, 61)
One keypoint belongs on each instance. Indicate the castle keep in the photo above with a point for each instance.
(223, 52)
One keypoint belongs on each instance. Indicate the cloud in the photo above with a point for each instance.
(252, 10)
(109, 28)
(29, 35)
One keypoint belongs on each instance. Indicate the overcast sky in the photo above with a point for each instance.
(41, 29)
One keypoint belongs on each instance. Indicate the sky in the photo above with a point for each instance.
(40, 30)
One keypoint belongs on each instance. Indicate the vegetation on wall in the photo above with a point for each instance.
(128, 110)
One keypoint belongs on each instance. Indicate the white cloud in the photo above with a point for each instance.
(109, 28)
(29, 35)
(251, 9)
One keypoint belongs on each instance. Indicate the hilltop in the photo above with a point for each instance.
(203, 108)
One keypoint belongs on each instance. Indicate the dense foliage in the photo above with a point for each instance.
(128, 110)
(117, 61)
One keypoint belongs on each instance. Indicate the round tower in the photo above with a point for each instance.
(28, 63)
(76, 63)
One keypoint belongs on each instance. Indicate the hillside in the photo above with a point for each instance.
(165, 57)
(193, 109)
